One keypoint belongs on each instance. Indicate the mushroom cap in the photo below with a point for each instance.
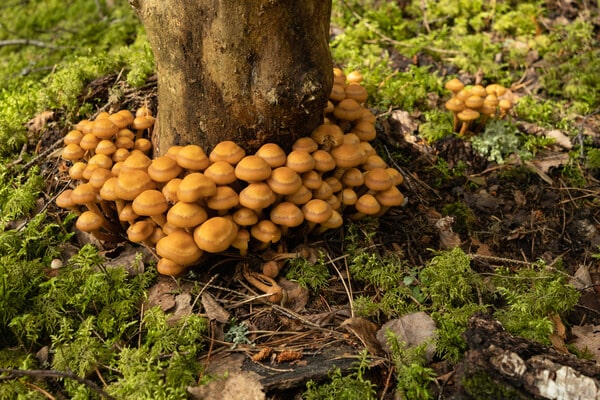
(347, 197)
(192, 157)
(215, 234)
(317, 210)
(339, 76)
(164, 266)
(357, 92)
(136, 161)
(241, 241)
(143, 111)
(89, 221)
(455, 105)
(73, 136)
(180, 247)
(140, 231)
(257, 196)
(84, 193)
(272, 154)
(347, 155)
(353, 177)
(378, 179)
(64, 200)
(354, 76)
(495, 89)
(454, 85)
(101, 160)
(224, 199)
(121, 119)
(300, 161)
(284, 180)
(127, 214)
(323, 191)
(170, 190)
(330, 135)
(365, 131)
(186, 215)
(312, 180)
(72, 152)
(142, 144)
(348, 110)
(478, 90)
(245, 216)
(195, 186)
(132, 183)
(120, 155)
(172, 151)
(302, 196)
(337, 92)
(390, 197)
(374, 161)
(287, 214)
(108, 189)
(163, 169)
(334, 183)
(323, 161)
(266, 231)
(474, 101)
(76, 170)
(104, 128)
(335, 221)
(306, 144)
(227, 151)
(142, 122)
(252, 169)
(221, 172)
(105, 146)
(99, 176)
(367, 204)
(396, 175)
(467, 115)
(150, 203)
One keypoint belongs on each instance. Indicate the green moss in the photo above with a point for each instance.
(308, 274)
(481, 386)
(462, 214)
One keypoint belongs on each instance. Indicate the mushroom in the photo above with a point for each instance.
(348, 110)
(316, 211)
(215, 234)
(257, 196)
(151, 203)
(312, 179)
(337, 92)
(335, 221)
(454, 85)
(169, 267)
(300, 161)
(180, 247)
(72, 152)
(357, 92)
(164, 169)
(104, 128)
(85, 194)
(286, 215)
(186, 215)
(364, 130)
(140, 231)
(244, 216)
(195, 186)
(366, 204)
(455, 105)
(136, 161)
(192, 157)
(64, 200)
(266, 285)
(141, 124)
(142, 144)
(306, 144)
(378, 179)
(221, 172)
(76, 170)
(241, 241)
(73, 136)
(252, 169)
(131, 183)
(266, 232)
(224, 199)
(170, 190)
(324, 162)
(328, 136)
(272, 154)
(466, 116)
(302, 196)
(227, 151)
(391, 197)
(89, 221)
(354, 77)
(284, 181)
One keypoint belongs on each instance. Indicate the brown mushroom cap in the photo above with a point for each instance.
(180, 247)
(186, 215)
(127, 214)
(252, 169)
(312, 180)
(337, 92)
(284, 180)
(76, 170)
(192, 157)
(195, 186)
(378, 179)
(106, 146)
(266, 232)
(474, 102)
(164, 169)
(73, 136)
(374, 161)
(323, 161)
(169, 267)
(64, 200)
(367, 204)
(72, 152)
(150, 203)
(365, 131)
(99, 176)
(348, 110)
(287, 214)
(140, 231)
(353, 177)
(468, 115)
(390, 197)
(272, 154)
(306, 144)
(323, 191)
(454, 85)
(224, 199)
(257, 196)
(354, 76)
(221, 172)
(316, 211)
(227, 151)
(89, 221)
(347, 197)
(302, 196)
(104, 128)
(136, 161)
(328, 135)
(347, 155)
(215, 234)
(357, 92)
(170, 190)
(132, 183)
(455, 105)
(300, 161)
(244, 216)
(241, 241)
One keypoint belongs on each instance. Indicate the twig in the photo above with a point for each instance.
(28, 42)
(43, 373)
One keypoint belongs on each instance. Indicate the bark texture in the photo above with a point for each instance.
(251, 71)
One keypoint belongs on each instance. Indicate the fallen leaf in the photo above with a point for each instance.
(297, 296)
(183, 308)
(560, 138)
(37, 123)
(587, 338)
(413, 329)
(365, 331)
(448, 238)
(237, 386)
(213, 310)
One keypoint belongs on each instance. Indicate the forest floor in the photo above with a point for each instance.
(502, 215)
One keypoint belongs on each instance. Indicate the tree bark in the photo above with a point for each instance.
(251, 71)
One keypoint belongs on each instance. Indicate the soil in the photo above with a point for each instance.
(518, 213)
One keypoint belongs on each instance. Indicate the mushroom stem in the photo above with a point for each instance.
(266, 285)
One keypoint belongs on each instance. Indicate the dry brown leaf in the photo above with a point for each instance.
(587, 338)
(213, 310)
(288, 355)
(183, 308)
(263, 354)
(37, 123)
(365, 331)
(560, 138)
(162, 294)
(448, 238)
(413, 329)
(482, 248)
(297, 296)
(237, 386)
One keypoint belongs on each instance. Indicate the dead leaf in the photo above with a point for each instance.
(183, 308)
(237, 386)
(365, 331)
(162, 294)
(560, 138)
(413, 329)
(213, 310)
(482, 248)
(297, 296)
(37, 123)
(288, 355)
(448, 238)
(587, 338)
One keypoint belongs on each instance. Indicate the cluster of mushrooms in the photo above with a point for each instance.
(186, 202)
(473, 106)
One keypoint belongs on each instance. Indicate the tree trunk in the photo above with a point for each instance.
(251, 71)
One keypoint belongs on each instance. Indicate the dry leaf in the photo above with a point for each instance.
(37, 123)
(183, 308)
(365, 331)
(297, 296)
(587, 338)
(263, 354)
(448, 238)
(288, 355)
(237, 386)
(213, 310)
(560, 138)
(482, 248)
(413, 329)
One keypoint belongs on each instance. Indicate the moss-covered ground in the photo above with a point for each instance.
(521, 198)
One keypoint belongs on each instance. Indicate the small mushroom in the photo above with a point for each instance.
(215, 234)
(180, 247)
